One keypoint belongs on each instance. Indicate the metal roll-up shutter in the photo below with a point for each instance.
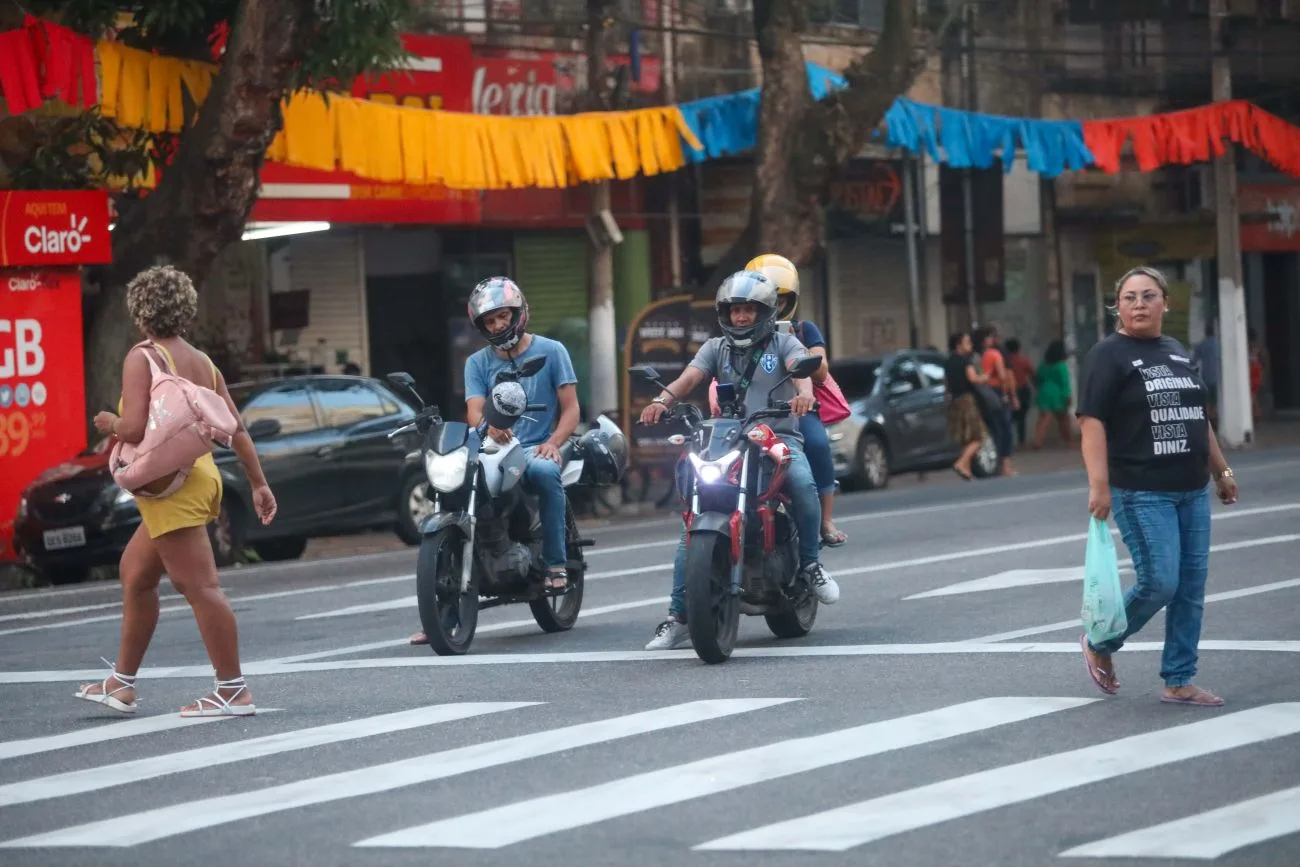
(329, 266)
(551, 268)
(868, 296)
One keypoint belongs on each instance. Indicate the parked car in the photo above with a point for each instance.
(899, 421)
(323, 443)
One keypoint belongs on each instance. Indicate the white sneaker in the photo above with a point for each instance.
(669, 635)
(823, 585)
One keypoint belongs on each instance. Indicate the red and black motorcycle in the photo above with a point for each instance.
(742, 546)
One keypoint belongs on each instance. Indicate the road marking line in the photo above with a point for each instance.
(843, 828)
(176, 819)
(107, 731)
(685, 656)
(1205, 836)
(98, 777)
(1075, 624)
(492, 627)
(565, 811)
(1035, 577)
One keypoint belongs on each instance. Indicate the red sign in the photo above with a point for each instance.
(437, 77)
(516, 83)
(43, 228)
(1270, 217)
(42, 386)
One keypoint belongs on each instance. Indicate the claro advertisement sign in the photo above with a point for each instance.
(53, 229)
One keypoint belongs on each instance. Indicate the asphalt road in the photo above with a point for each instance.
(940, 714)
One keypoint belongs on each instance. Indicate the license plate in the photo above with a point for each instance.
(67, 537)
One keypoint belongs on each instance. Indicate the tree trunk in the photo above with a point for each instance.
(203, 199)
(802, 144)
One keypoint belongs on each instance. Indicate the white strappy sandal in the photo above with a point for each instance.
(106, 696)
(218, 705)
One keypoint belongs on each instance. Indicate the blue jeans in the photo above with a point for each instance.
(1168, 534)
(542, 479)
(807, 508)
(817, 446)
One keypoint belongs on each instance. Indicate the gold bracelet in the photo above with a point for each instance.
(1226, 474)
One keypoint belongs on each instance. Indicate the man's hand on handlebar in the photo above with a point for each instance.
(653, 413)
(802, 405)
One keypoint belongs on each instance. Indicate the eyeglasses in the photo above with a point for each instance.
(1130, 299)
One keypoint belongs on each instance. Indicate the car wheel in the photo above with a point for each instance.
(289, 548)
(873, 462)
(985, 463)
(413, 507)
(65, 575)
(225, 536)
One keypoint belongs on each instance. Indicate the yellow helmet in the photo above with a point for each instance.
(785, 275)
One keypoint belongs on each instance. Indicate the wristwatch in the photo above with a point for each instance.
(1226, 474)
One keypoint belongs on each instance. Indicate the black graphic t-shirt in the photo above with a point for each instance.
(1153, 406)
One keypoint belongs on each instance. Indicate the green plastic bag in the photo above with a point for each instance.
(1103, 596)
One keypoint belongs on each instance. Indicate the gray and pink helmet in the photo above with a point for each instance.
(497, 293)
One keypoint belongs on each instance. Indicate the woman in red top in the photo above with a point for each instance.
(1002, 381)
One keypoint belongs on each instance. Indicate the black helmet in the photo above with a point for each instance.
(496, 293)
(604, 453)
(747, 287)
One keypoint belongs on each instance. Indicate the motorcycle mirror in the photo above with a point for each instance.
(401, 378)
(805, 366)
(646, 372)
(532, 366)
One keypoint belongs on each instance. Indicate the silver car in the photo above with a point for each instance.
(899, 421)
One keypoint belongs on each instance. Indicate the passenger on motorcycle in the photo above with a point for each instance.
(816, 443)
(746, 305)
(499, 311)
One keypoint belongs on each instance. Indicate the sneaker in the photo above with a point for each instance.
(669, 635)
(823, 585)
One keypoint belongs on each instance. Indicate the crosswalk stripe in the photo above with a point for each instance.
(181, 818)
(1208, 835)
(106, 731)
(97, 777)
(843, 828)
(526, 820)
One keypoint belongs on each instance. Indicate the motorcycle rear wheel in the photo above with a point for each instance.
(712, 612)
(449, 617)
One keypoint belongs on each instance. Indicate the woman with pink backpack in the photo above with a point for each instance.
(174, 406)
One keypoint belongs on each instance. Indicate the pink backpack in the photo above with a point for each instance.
(185, 419)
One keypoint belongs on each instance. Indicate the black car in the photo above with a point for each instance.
(323, 443)
(899, 421)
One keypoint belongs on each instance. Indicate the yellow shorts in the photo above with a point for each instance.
(196, 504)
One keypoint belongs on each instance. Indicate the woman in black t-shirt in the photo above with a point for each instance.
(965, 425)
(1149, 450)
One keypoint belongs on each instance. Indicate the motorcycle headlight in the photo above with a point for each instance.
(713, 472)
(447, 472)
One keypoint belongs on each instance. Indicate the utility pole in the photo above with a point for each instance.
(602, 335)
(668, 25)
(1236, 427)
(967, 193)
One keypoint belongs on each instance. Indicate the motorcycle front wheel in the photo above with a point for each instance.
(449, 617)
(712, 613)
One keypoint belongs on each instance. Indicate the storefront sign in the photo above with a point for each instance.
(870, 191)
(41, 228)
(42, 390)
(518, 83)
(665, 335)
(437, 76)
(1270, 217)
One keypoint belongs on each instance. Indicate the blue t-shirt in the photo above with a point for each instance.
(482, 367)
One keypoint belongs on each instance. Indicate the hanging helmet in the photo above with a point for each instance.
(785, 275)
(505, 403)
(747, 287)
(604, 454)
(497, 293)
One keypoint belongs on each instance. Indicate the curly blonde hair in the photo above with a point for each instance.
(162, 301)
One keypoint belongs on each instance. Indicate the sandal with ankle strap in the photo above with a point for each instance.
(219, 704)
(105, 696)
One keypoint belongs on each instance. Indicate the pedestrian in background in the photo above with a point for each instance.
(1054, 395)
(1002, 401)
(965, 423)
(173, 531)
(1150, 450)
(1022, 368)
